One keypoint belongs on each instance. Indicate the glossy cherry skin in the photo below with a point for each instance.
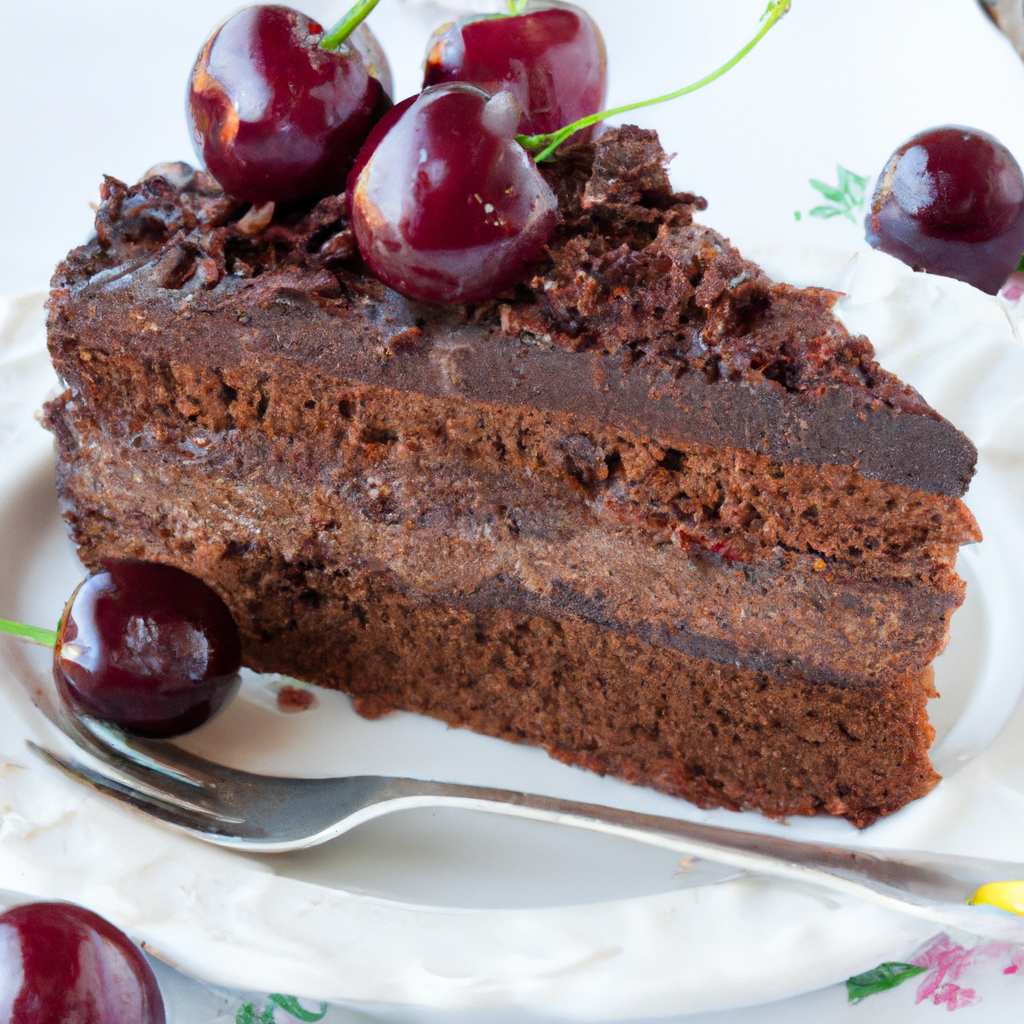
(147, 647)
(275, 117)
(373, 140)
(62, 964)
(951, 201)
(449, 207)
(551, 57)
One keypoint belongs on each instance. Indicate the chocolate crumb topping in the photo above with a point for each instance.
(628, 272)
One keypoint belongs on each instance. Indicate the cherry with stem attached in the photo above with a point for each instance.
(145, 646)
(543, 146)
(278, 108)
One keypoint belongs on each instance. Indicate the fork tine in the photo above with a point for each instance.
(153, 762)
(145, 772)
(115, 747)
(111, 746)
(163, 805)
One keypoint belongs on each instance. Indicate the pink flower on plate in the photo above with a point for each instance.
(1014, 287)
(945, 960)
(1016, 962)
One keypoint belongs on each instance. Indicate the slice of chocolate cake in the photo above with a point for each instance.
(651, 510)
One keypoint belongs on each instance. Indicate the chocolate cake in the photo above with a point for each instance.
(649, 510)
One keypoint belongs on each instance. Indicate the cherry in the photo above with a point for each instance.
(147, 647)
(274, 115)
(448, 207)
(62, 964)
(550, 57)
(950, 201)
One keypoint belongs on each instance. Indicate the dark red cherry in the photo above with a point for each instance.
(449, 207)
(551, 57)
(951, 201)
(62, 964)
(147, 647)
(273, 115)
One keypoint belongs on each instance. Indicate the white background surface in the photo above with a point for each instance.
(97, 86)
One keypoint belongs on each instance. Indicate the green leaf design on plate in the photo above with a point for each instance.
(825, 212)
(247, 1014)
(837, 195)
(846, 196)
(291, 1005)
(883, 977)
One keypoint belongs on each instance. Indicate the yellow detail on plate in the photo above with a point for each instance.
(1005, 895)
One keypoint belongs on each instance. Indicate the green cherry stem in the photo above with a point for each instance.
(517, 6)
(543, 146)
(348, 24)
(38, 635)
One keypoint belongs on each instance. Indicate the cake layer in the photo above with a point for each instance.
(405, 500)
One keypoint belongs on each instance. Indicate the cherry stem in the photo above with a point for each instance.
(38, 635)
(348, 24)
(543, 146)
(517, 6)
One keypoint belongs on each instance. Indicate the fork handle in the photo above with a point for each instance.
(932, 886)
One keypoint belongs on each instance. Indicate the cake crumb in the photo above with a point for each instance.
(292, 698)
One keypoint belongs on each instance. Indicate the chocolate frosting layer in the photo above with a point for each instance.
(639, 317)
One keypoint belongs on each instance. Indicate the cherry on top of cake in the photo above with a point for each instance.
(446, 201)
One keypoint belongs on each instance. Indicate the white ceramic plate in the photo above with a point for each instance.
(478, 919)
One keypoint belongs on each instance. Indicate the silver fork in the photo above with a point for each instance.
(265, 814)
